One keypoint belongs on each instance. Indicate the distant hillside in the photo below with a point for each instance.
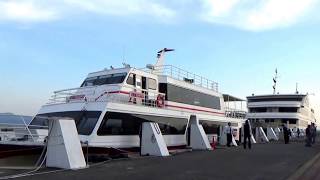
(7, 113)
(14, 119)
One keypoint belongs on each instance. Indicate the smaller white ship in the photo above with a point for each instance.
(274, 110)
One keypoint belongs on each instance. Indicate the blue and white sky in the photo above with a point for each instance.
(52, 45)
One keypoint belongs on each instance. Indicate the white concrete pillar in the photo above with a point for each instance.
(277, 131)
(152, 142)
(64, 149)
(253, 140)
(198, 138)
(223, 136)
(234, 142)
(271, 134)
(261, 136)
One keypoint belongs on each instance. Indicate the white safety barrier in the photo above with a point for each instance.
(198, 138)
(152, 142)
(271, 134)
(277, 131)
(234, 141)
(223, 137)
(293, 133)
(261, 136)
(64, 149)
(253, 140)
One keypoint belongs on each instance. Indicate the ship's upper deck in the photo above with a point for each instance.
(276, 97)
(183, 76)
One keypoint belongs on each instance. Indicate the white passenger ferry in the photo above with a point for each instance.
(274, 110)
(111, 104)
(293, 110)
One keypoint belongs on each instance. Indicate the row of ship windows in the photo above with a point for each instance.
(119, 78)
(279, 121)
(116, 78)
(187, 96)
(115, 123)
(273, 109)
(275, 99)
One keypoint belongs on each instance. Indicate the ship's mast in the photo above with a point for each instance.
(158, 67)
(275, 79)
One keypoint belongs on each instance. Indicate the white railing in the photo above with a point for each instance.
(235, 113)
(183, 75)
(63, 96)
(20, 132)
(131, 95)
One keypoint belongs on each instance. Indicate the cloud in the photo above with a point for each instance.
(256, 15)
(253, 15)
(40, 11)
(24, 11)
(123, 7)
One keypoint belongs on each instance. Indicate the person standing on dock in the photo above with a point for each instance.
(313, 133)
(286, 134)
(308, 136)
(247, 134)
(298, 132)
(229, 134)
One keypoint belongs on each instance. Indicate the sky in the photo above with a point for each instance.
(51, 45)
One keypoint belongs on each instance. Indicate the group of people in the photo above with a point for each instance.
(247, 134)
(311, 134)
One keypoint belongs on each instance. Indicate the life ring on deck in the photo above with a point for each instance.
(160, 100)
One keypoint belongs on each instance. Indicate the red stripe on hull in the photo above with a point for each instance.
(194, 109)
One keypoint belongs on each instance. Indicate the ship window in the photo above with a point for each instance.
(291, 121)
(119, 124)
(210, 128)
(102, 80)
(89, 81)
(129, 124)
(187, 96)
(105, 79)
(288, 109)
(267, 99)
(152, 84)
(258, 110)
(85, 120)
(131, 79)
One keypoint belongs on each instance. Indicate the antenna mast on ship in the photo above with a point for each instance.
(275, 79)
(158, 67)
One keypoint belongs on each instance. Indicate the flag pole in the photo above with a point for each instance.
(275, 79)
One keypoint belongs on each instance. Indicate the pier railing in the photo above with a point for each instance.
(183, 75)
(20, 132)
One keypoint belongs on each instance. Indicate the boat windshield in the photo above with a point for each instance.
(85, 120)
(104, 79)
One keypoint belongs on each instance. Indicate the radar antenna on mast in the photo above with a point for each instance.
(158, 67)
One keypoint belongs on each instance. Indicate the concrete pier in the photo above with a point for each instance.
(264, 161)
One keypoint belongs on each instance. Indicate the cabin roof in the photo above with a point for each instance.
(275, 96)
(230, 98)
